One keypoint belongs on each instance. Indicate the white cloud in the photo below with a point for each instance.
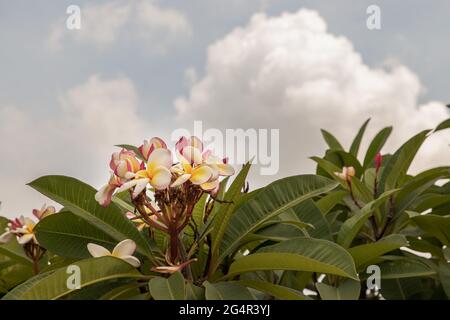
(161, 26)
(95, 116)
(289, 72)
(102, 25)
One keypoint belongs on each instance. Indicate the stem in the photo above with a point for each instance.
(391, 215)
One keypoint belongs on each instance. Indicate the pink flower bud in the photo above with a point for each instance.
(378, 161)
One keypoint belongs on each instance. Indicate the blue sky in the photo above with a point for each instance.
(139, 58)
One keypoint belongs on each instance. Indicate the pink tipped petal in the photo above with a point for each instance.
(104, 195)
(181, 179)
(124, 248)
(97, 251)
(161, 178)
(206, 155)
(196, 143)
(192, 155)
(37, 213)
(160, 157)
(201, 175)
(210, 186)
(6, 237)
(140, 186)
(158, 143)
(127, 185)
(225, 169)
(181, 144)
(132, 260)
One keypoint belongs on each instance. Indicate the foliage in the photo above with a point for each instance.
(182, 234)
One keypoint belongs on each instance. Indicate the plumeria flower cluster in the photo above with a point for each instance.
(195, 166)
(23, 227)
(178, 180)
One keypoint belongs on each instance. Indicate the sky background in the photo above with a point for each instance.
(138, 69)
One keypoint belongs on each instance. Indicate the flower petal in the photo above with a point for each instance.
(132, 260)
(97, 251)
(161, 178)
(201, 175)
(140, 186)
(124, 248)
(25, 238)
(192, 155)
(6, 237)
(196, 143)
(159, 157)
(225, 169)
(180, 180)
(210, 186)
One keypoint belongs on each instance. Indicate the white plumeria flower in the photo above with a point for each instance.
(157, 173)
(26, 234)
(124, 250)
(44, 212)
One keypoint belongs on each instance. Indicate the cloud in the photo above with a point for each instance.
(290, 72)
(77, 142)
(102, 25)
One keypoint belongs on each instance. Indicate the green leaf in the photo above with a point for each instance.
(405, 268)
(274, 199)
(376, 145)
(348, 290)
(397, 166)
(68, 235)
(226, 291)
(193, 292)
(53, 285)
(418, 185)
(172, 288)
(364, 254)
(223, 216)
(330, 200)
(332, 142)
(437, 226)
(444, 276)
(405, 289)
(300, 254)
(351, 227)
(15, 251)
(308, 213)
(357, 141)
(79, 198)
(443, 125)
(275, 290)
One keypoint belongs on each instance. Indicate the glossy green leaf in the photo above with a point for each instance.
(351, 227)
(301, 254)
(275, 290)
(53, 285)
(332, 142)
(437, 226)
(357, 140)
(365, 253)
(348, 290)
(68, 235)
(79, 198)
(274, 199)
(172, 288)
(376, 145)
(226, 291)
